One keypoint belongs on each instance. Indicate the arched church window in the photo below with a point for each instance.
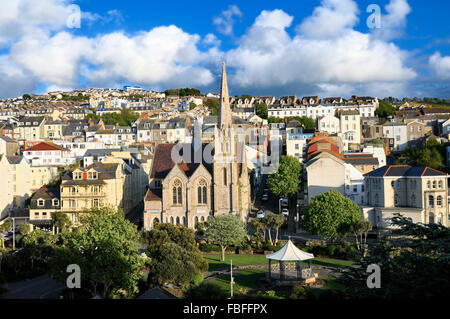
(176, 193)
(201, 192)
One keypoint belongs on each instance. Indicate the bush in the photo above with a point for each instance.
(205, 291)
(301, 292)
(268, 246)
(331, 250)
(266, 294)
(198, 279)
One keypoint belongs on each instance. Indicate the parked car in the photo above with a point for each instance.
(265, 197)
(284, 202)
(285, 211)
(260, 214)
(266, 191)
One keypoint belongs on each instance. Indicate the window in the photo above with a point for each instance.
(396, 200)
(224, 176)
(201, 192)
(40, 202)
(434, 184)
(428, 184)
(431, 201)
(55, 202)
(439, 201)
(158, 183)
(440, 184)
(176, 193)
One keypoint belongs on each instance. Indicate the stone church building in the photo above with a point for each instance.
(206, 180)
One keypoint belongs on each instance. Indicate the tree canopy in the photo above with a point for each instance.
(183, 92)
(306, 122)
(225, 230)
(330, 215)
(261, 110)
(174, 256)
(105, 246)
(213, 106)
(384, 110)
(432, 155)
(284, 182)
(416, 264)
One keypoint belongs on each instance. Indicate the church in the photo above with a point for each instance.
(188, 191)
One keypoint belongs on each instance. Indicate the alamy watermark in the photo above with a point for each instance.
(74, 17)
(374, 279)
(74, 279)
(374, 20)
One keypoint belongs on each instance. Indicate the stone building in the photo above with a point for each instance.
(207, 179)
(420, 193)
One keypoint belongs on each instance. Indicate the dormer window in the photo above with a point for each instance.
(55, 202)
(94, 175)
(40, 202)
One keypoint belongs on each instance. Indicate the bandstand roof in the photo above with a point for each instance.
(290, 253)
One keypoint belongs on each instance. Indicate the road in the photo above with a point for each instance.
(35, 288)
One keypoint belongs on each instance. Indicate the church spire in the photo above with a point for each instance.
(224, 106)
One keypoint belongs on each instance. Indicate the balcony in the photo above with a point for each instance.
(83, 194)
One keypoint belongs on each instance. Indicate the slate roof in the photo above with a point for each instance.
(14, 159)
(404, 170)
(48, 195)
(162, 163)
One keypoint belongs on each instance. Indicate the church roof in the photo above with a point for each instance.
(163, 163)
(290, 253)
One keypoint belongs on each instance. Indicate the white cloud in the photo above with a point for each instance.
(211, 39)
(225, 21)
(333, 18)
(267, 56)
(394, 22)
(440, 65)
(161, 55)
(52, 59)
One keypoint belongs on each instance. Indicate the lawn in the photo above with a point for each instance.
(214, 262)
(244, 280)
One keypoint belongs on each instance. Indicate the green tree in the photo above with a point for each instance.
(384, 110)
(26, 96)
(24, 228)
(192, 106)
(273, 221)
(261, 110)
(284, 182)
(330, 215)
(4, 228)
(174, 255)
(414, 265)
(105, 246)
(60, 221)
(213, 106)
(225, 231)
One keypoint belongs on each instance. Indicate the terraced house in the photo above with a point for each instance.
(420, 193)
(94, 186)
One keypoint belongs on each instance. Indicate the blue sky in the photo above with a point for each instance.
(270, 47)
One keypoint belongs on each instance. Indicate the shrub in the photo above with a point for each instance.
(331, 250)
(268, 246)
(266, 294)
(205, 291)
(206, 248)
(301, 292)
(198, 279)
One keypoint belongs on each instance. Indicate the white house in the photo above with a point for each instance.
(398, 133)
(48, 154)
(329, 123)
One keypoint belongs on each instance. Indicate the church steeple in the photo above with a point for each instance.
(224, 106)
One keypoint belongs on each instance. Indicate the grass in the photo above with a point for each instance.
(244, 280)
(214, 262)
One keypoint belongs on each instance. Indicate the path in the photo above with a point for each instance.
(35, 288)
